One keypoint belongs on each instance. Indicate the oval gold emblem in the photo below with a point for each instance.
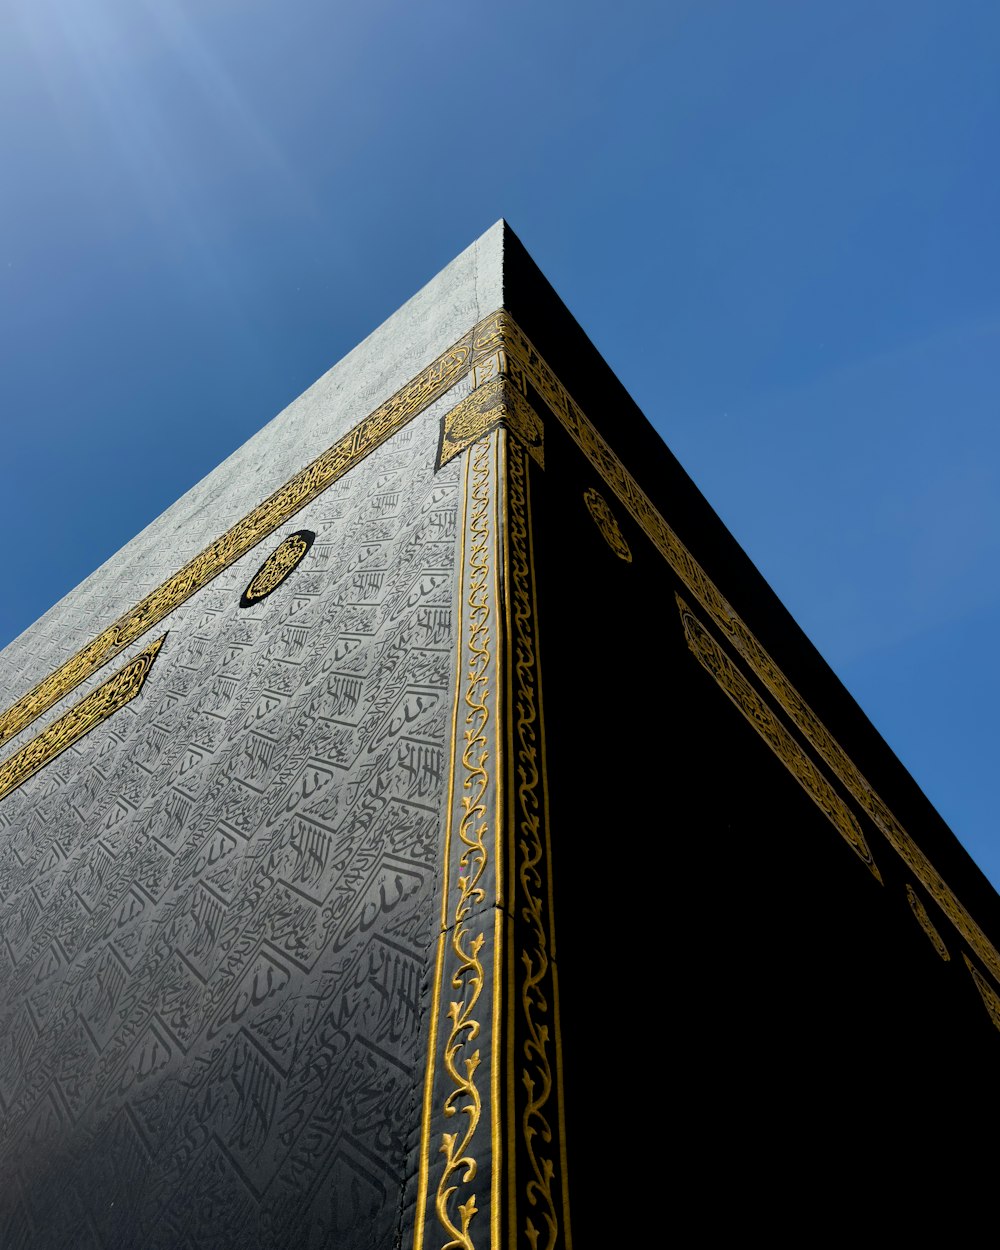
(607, 523)
(283, 561)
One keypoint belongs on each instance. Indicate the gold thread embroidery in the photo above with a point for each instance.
(492, 404)
(279, 565)
(464, 1098)
(920, 911)
(713, 659)
(991, 1000)
(442, 943)
(489, 368)
(370, 433)
(84, 716)
(523, 356)
(607, 523)
(488, 335)
(428, 1104)
(498, 337)
(528, 821)
(501, 945)
(495, 348)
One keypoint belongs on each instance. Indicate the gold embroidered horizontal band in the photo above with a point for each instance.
(497, 347)
(428, 385)
(84, 716)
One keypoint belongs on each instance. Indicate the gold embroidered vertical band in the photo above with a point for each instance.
(486, 861)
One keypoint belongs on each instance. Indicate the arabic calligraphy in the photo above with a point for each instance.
(522, 356)
(920, 911)
(461, 1060)
(278, 566)
(714, 660)
(530, 841)
(494, 403)
(607, 523)
(79, 720)
(386, 420)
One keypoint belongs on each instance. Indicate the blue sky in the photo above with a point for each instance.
(777, 221)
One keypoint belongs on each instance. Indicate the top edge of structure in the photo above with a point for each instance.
(468, 288)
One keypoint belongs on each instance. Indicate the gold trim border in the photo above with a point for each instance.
(492, 404)
(920, 911)
(498, 350)
(533, 1037)
(429, 385)
(110, 697)
(991, 1000)
(759, 716)
(458, 1082)
(524, 358)
(496, 859)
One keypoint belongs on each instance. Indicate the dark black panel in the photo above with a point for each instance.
(753, 1024)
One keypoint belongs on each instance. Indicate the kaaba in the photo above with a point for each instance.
(433, 832)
